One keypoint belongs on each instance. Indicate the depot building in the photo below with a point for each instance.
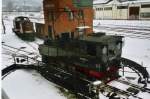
(129, 9)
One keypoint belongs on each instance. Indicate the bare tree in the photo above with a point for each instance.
(4, 29)
(10, 5)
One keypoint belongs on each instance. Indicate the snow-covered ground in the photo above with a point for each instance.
(23, 84)
(137, 46)
(137, 50)
(12, 40)
(129, 23)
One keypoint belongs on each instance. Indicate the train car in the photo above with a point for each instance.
(23, 28)
(95, 56)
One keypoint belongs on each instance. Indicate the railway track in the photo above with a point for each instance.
(67, 80)
(123, 94)
(72, 82)
(140, 70)
(109, 88)
(143, 89)
(21, 48)
(126, 27)
(128, 32)
(14, 49)
(19, 51)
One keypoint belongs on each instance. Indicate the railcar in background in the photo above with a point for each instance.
(23, 28)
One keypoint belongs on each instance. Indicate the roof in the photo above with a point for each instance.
(83, 27)
(21, 18)
(119, 1)
(98, 1)
(101, 1)
(101, 38)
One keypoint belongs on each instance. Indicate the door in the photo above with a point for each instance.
(50, 31)
(134, 13)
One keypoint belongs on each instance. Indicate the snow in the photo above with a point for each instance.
(137, 1)
(12, 40)
(119, 85)
(83, 27)
(23, 84)
(135, 49)
(126, 23)
(144, 95)
(125, 1)
(99, 1)
(97, 83)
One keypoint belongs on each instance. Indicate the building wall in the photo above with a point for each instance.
(121, 11)
(145, 11)
(40, 30)
(121, 14)
(61, 10)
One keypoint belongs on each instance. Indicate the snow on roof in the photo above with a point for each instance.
(97, 83)
(83, 27)
(137, 1)
(99, 1)
(117, 1)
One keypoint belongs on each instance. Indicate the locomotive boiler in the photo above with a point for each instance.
(95, 56)
(23, 28)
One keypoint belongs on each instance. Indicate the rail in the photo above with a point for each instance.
(137, 68)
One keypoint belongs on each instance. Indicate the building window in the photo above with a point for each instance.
(145, 15)
(81, 14)
(145, 6)
(108, 8)
(122, 7)
(70, 15)
(99, 9)
(51, 16)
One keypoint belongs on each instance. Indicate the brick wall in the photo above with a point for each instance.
(58, 14)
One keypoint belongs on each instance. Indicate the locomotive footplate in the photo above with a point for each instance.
(72, 82)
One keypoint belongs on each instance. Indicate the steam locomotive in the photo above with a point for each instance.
(23, 28)
(95, 56)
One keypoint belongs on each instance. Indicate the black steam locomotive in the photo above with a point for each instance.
(95, 56)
